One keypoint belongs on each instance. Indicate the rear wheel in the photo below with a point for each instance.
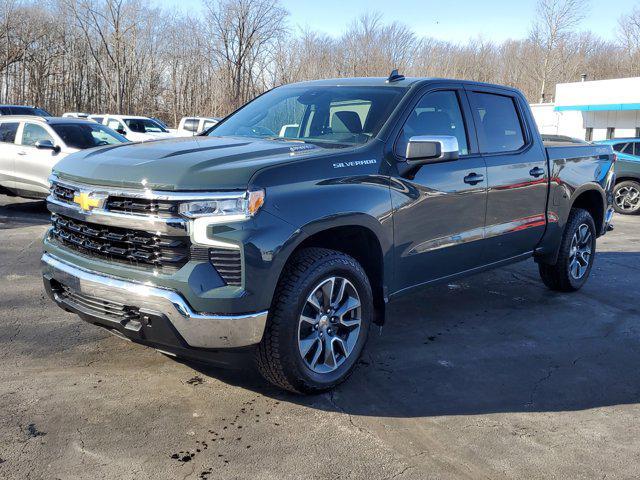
(577, 253)
(318, 324)
(626, 196)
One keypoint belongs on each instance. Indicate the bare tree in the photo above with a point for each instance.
(556, 19)
(242, 31)
(629, 35)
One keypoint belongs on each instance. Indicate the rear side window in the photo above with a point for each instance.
(624, 148)
(8, 132)
(191, 124)
(498, 123)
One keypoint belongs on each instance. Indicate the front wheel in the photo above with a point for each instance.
(577, 253)
(318, 324)
(626, 197)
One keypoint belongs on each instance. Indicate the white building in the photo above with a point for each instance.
(595, 110)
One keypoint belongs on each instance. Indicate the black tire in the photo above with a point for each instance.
(619, 204)
(278, 356)
(559, 277)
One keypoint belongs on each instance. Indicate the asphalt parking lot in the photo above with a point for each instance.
(490, 377)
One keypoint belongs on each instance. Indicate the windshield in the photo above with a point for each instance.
(144, 125)
(332, 116)
(80, 135)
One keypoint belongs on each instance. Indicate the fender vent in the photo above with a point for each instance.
(228, 263)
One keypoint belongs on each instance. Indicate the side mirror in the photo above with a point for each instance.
(432, 149)
(121, 131)
(46, 145)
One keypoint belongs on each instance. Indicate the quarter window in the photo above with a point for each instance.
(437, 113)
(32, 133)
(8, 132)
(497, 122)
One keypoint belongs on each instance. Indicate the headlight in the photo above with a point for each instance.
(231, 208)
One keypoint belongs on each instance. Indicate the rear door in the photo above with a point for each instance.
(33, 165)
(8, 153)
(517, 173)
(439, 209)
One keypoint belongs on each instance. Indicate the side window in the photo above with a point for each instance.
(628, 149)
(115, 124)
(97, 119)
(636, 148)
(8, 132)
(191, 124)
(498, 123)
(32, 133)
(619, 146)
(437, 113)
(208, 124)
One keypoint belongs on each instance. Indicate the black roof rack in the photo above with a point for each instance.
(395, 76)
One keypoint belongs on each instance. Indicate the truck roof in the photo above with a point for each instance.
(401, 82)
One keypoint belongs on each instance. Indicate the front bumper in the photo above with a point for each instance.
(146, 313)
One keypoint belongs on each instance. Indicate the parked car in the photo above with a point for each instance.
(23, 110)
(190, 126)
(75, 115)
(136, 129)
(627, 190)
(290, 248)
(30, 146)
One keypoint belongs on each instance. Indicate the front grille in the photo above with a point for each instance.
(63, 193)
(228, 263)
(142, 206)
(133, 247)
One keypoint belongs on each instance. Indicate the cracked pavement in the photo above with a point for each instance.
(492, 377)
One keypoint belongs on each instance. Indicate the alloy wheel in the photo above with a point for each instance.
(581, 252)
(627, 198)
(329, 325)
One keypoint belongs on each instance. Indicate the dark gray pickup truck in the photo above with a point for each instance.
(286, 229)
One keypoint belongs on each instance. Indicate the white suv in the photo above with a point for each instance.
(136, 129)
(30, 146)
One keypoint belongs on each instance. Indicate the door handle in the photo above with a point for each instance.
(473, 179)
(536, 172)
(22, 153)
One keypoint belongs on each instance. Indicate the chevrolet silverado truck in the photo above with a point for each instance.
(241, 240)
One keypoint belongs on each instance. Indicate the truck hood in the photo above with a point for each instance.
(193, 163)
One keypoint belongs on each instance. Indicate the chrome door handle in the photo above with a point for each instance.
(473, 179)
(22, 153)
(536, 172)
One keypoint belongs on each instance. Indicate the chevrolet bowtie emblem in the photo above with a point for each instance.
(85, 201)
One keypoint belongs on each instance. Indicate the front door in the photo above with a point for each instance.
(439, 209)
(517, 171)
(33, 165)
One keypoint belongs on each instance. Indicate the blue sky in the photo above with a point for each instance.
(453, 20)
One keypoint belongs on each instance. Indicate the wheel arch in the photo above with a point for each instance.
(594, 201)
(358, 236)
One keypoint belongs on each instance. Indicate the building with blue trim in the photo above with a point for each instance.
(592, 110)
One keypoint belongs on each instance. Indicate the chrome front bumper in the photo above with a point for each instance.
(198, 330)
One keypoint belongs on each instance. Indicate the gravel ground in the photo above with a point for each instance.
(490, 377)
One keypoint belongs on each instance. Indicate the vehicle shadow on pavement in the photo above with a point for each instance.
(496, 342)
(19, 213)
